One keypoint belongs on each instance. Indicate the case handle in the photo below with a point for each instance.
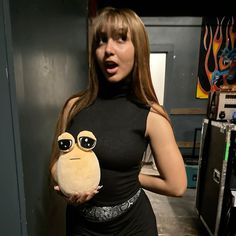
(216, 176)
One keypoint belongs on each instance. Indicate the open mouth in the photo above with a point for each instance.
(110, 64)
(110, 67)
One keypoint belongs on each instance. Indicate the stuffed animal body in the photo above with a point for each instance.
(78, 169)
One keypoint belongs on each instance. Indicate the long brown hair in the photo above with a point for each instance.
(142, 86)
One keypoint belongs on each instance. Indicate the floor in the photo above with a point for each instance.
(175, 216)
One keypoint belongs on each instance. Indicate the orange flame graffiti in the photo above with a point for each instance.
(217, 41)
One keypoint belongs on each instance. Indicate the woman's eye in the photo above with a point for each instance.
(65, 144)
(120, 37)
(102, 40)
(87, 143)
(123, 37)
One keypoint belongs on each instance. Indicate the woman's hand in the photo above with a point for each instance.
(78, 198)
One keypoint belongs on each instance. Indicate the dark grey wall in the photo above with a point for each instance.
(181, 37)
(12, 204)
(50, 64)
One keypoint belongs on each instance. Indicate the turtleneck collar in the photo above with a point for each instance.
(109, 90)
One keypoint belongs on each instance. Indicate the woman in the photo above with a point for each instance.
(120, 107)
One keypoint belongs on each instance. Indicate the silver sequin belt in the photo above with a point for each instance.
(107, 213)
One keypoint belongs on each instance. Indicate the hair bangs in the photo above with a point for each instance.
(110, 22)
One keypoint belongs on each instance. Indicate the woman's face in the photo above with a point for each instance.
(115, 54)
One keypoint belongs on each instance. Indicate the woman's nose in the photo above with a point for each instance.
(109, 47)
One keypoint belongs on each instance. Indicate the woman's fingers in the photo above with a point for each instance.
(56, 187)
(78, 198)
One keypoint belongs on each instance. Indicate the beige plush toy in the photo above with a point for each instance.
(78, 169)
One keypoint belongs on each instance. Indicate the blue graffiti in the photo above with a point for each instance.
(229, 57)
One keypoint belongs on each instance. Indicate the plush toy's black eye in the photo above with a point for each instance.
(65, 144)
(87, 142)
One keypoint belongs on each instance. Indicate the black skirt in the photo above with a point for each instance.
(139, 220)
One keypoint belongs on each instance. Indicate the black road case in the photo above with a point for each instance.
(216, 183)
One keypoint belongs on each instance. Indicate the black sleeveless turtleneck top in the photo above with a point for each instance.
(119, 122)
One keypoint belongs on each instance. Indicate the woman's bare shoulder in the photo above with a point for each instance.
(157, 110)
(157, 119)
